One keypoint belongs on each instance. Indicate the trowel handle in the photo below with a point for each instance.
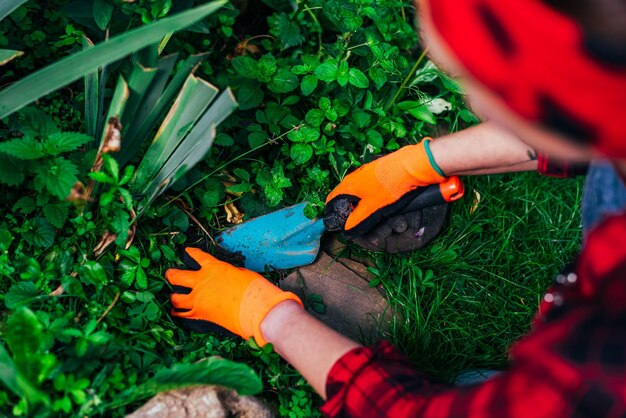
(450, 190)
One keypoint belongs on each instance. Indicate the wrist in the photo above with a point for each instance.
(431, 158)
(278, 318)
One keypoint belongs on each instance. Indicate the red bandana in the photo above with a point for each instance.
(542, 65)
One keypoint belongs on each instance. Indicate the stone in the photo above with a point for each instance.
(350, 305)
(202, 402)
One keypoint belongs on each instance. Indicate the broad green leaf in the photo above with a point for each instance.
(287, 31)
(61, 142)
(93, 273)
(58, 176)
(213, 371)
(7, 55)
(194, 98)
(36, 123)
(256, 139)
(283, 81)
(26, 205)
(342, 74)
(378, 76)
(418, 111)
(304, 134)
(70, 69)
(301, 153)
(246, 66)
(357, 78)
(11, 171)
(308, 84)
(25, 339)
(267, 68)
(314, 117)
(327, 71)
(56, 213)
(40, 234)
(102, 11)
(15, 381)
(249, 95)
(21, 294)
(7, 6)
(92, 97)
(25, 148)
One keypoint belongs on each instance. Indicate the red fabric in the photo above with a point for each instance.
(573, 363)
(538, 62)
(559, 168)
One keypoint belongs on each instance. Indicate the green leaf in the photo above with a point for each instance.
(7, 55)
(342, 74)
(11, 171)
(26, 205)
(266, 67)
(40, 234)
(224, 140)
(314, 117)
(378, 76)
(246, 66)
(60, 142)
(70, 69)
(26, 148)
(418, 111)
(301, 153)
(58, 176)
(15, 381)
(102, 11)
(213, 371)
(21, 294)
(24, 337)
(328, 71)
(304, 134)
(36, 123)
(358, 79)
(8, 6)
(273, 181)
(256, 139)
(249, 95)
(287, 31)
(375, 139)
(56, 214)
(308, 84)
(283, 81)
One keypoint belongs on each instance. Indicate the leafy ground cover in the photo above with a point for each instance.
(321, 88)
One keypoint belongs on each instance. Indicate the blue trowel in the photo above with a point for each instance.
(287, 238)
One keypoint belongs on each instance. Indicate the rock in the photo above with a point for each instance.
(352, 307)
(202, 402)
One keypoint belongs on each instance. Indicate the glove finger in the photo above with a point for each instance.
(198, 258)
(178, 277)
(179, 302)
(199, 325)
(362, 219)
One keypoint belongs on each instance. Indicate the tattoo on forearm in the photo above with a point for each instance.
(532, 155)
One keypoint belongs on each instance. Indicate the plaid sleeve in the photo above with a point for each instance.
(378, 382)
(552, 167)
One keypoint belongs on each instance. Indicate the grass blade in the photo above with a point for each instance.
(163, 104)
(7, 7)
(76, 66)
(92, 99)
(193, 148)
(7, 55)
(118, 103)
(194, 98)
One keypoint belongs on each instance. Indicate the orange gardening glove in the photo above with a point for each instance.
(383, 187)
(215, 292)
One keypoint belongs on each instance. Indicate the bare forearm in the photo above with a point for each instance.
(306, 343)
(482, 149)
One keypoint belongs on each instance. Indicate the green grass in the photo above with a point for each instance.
(490, 269)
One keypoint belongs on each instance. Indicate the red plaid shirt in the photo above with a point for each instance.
(572, 364)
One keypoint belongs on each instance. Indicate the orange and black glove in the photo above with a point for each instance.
(384, 186)
(215, 292)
